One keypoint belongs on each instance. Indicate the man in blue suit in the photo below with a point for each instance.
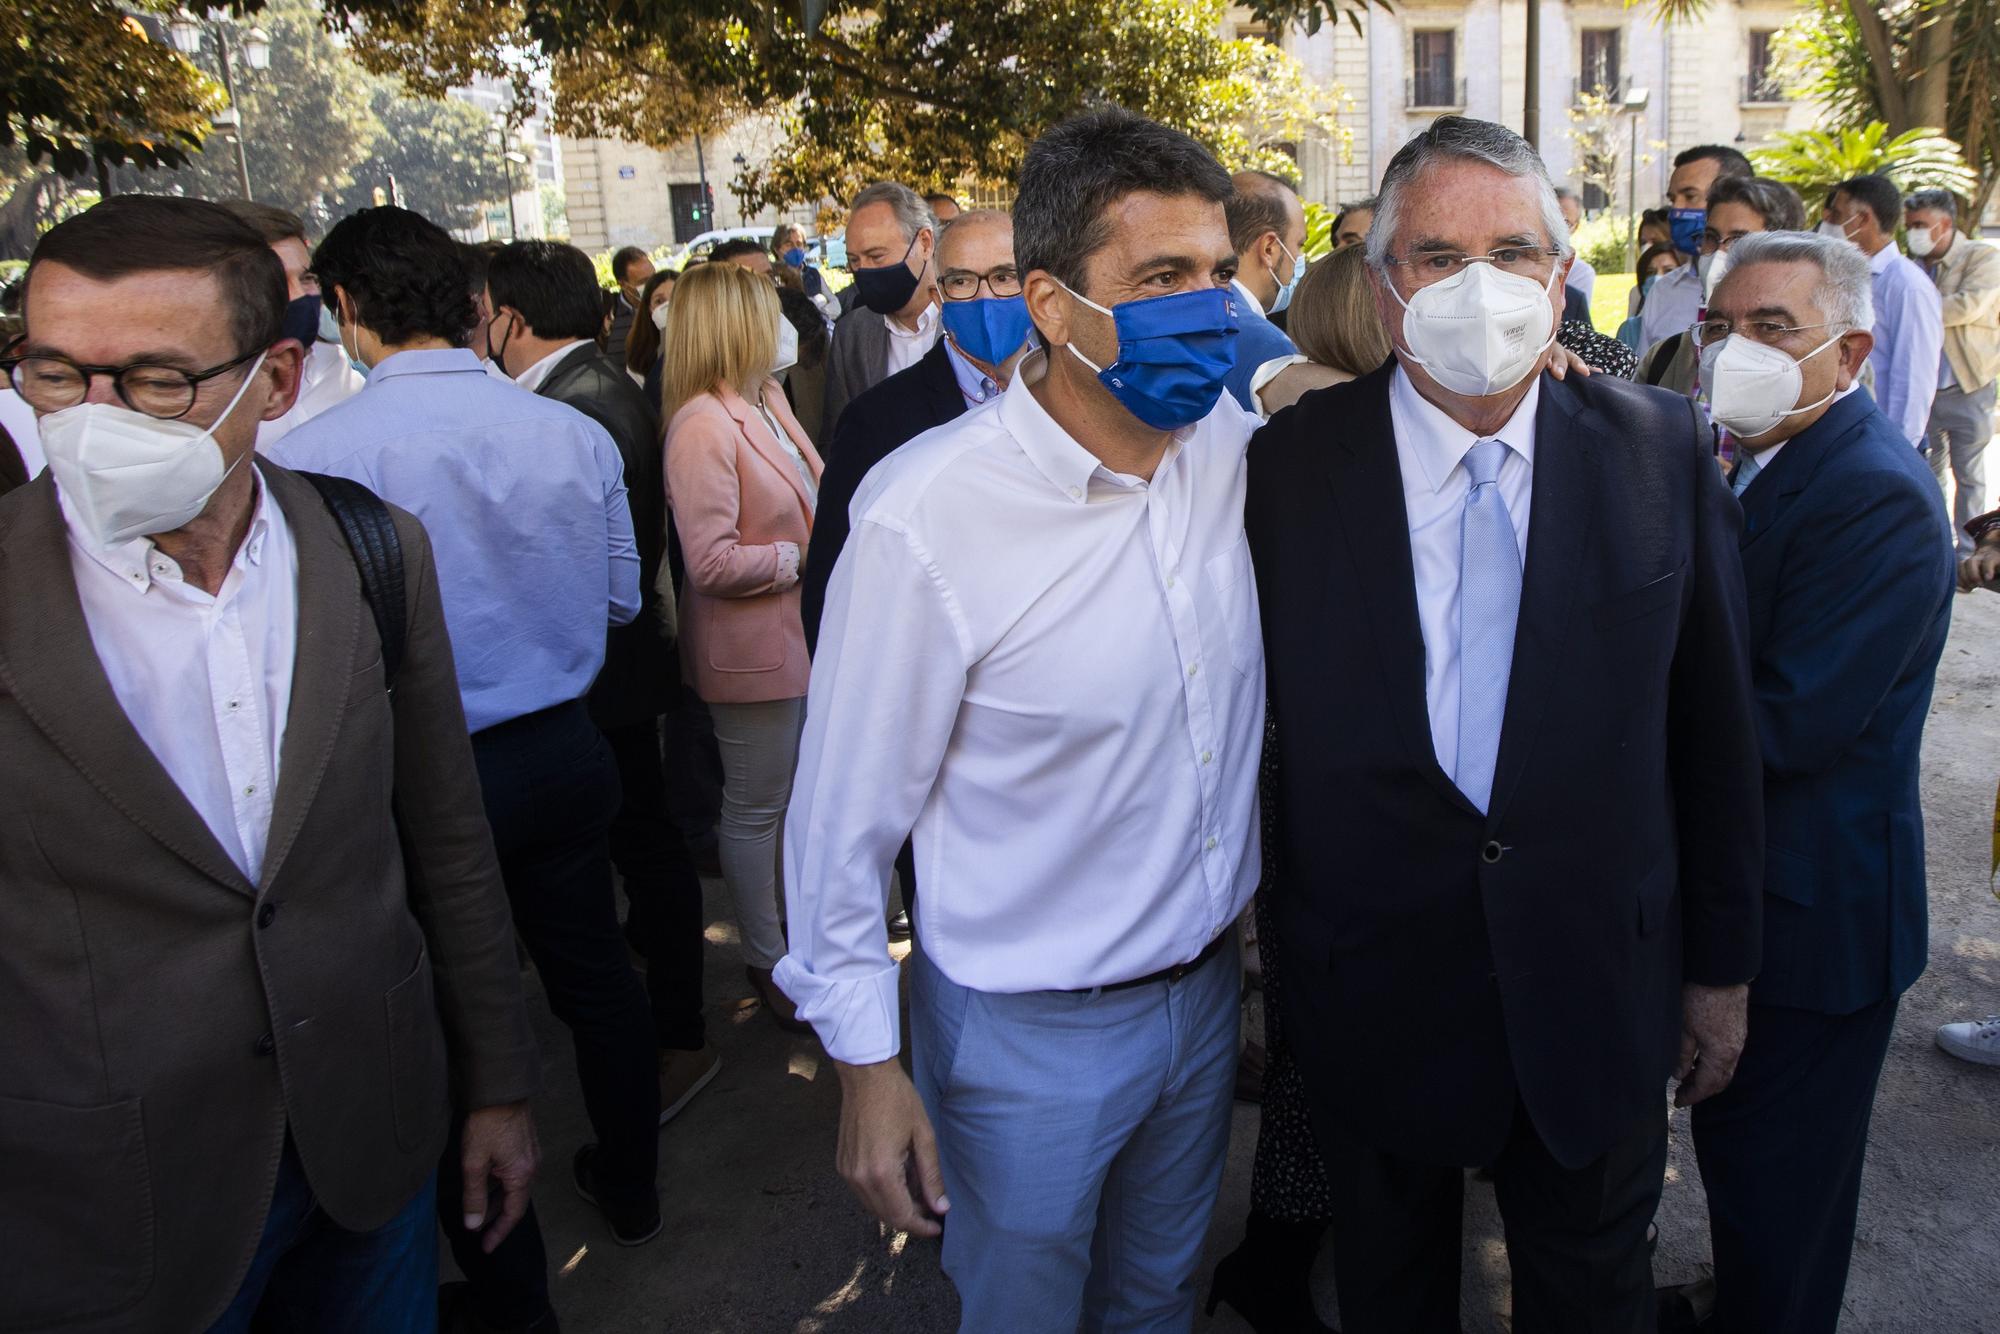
(1844, 651)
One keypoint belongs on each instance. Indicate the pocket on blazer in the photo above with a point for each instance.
(746, 634)
(1790, 876)
(1629, 606)
(1233, 581)
(417, 1069)
(76, 1212)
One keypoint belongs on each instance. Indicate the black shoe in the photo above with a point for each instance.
(1687, 1308)
(1268, 1279)
(629, 1227)
(455, 1315)
(899, 926)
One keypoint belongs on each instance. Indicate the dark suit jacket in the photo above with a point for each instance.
(641, 670)
(621, 329)
(1575, 307)
(1848, 560)
(163, 1021)
(1440, 962)
(875, 425)
(13, 472)
(855, 362)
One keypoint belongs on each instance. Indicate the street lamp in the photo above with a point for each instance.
(513, 225)
(1635, 107)
(185, 31)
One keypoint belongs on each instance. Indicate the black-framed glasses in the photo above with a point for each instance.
(51, 383)
(1768, 332)
(1434, 266)
(960, 285)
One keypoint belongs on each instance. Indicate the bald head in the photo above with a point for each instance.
(976, 228)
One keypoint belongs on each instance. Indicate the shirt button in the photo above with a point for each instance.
(1211, 843)
(1170, 581)
(250, 791)
(1194, 668)
(1075, 492)
(1207, 757)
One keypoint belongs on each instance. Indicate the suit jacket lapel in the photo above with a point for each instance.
(1561, 514)
(947, 400)
(1770, 494)
(758, 432)
(49, 662)
(329, 620)
(1367, 483)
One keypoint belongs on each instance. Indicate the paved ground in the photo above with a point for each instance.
(762, 1238)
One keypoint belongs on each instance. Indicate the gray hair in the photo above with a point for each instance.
(1463, 139)
(1942, 201)
(912, 213)
(1844, 295)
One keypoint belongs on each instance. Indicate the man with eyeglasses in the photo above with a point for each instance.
(1843, 653)
(253, 943)
(1517, 797)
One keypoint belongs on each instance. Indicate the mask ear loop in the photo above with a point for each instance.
(1094, 306)
(1831, 393)
(1555, 326)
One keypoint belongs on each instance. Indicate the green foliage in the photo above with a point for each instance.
(555, 211)
(1601, 241)
(1814, 161)
(83, 81)
(440, 153)
(1319, 231)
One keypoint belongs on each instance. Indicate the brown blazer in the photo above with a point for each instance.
(162, 1020)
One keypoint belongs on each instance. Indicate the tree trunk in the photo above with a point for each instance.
(1881, 51)
(1927, 98)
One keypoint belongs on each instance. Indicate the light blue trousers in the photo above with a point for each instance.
(1082, 1138)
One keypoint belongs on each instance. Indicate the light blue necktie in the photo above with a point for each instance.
(1747, 467)
(1489, 604)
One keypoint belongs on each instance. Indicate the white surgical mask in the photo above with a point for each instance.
(1290, 286)
(788, 347)
(128, 475)
(1752, 386)
(1711, 268)
(1481, 331)
(1921, 243)
(660, 315)
(1835, 230)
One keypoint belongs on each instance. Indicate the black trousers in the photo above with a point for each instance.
(508, 1289)
(551, 789)
(1781, 1151)
(1576, 1238)
(661, 887)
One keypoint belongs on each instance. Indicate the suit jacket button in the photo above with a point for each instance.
(1491, 853)
(265, 914)
(265, 1046)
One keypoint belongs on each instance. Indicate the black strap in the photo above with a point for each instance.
(378, 555)
(1663, 358)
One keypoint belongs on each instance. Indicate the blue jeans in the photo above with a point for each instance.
(1082, 1137)
(311, 1276)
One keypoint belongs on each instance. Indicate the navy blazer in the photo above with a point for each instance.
(875, 425)
(1443, 967)
(1848, 560)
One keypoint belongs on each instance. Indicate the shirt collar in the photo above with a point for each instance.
(1441, 444)
(1248, 297)
(425, 361)
(138, 563)
(926, 324)
(1883, 258)
(531, 378)
(1069, 467)
(975, 384)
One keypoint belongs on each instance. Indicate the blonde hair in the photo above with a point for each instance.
(722, 329)
(1332, 318)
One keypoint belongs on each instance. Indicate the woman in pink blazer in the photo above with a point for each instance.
(742, 479)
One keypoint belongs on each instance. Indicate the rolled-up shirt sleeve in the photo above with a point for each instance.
(886, 688)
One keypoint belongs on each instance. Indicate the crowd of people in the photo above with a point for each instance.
(1090, 589)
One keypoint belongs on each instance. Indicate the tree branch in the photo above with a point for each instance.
(1881, 52)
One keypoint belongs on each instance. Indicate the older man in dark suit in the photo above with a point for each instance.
(253, 941)
(1518, 795)
(1844, 653)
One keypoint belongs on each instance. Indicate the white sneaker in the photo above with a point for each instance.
(1976, 1040)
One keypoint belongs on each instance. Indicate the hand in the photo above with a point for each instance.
(887, 1152)
(1714, 1023)
(499, 1145)
(1981, 569)
(1562, 361)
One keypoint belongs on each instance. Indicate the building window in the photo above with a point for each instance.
(1434, 70)
(1761, 84)
(1600, 70)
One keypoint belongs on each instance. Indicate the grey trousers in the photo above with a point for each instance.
(1960, 426)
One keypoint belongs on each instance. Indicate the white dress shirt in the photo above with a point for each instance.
(1054, 675)
(1672, 306)
(907, 346)
(19, 419)
(326, 377)
(531, 378)
(206, 681)
(1909, 341)
(1431, 450)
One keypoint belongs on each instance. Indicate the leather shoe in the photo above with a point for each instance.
(629, 1227)
(776, 1002)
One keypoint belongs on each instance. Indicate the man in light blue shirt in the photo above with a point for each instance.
(1909, 317)
(524, 498)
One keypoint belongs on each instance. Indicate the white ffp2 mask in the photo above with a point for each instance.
(1480, 331)
(1752, 386)
(128, 475)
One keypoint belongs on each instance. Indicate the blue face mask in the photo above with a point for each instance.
(796, 257)
(1173, 354)
(1284, 297)
(1686, 225)
(1646, 287)
(988, 329)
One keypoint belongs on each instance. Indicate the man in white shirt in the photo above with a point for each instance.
(1582, 277)
(326, 376)
(1674, 304)
(1909, 314)
(1040, 651)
